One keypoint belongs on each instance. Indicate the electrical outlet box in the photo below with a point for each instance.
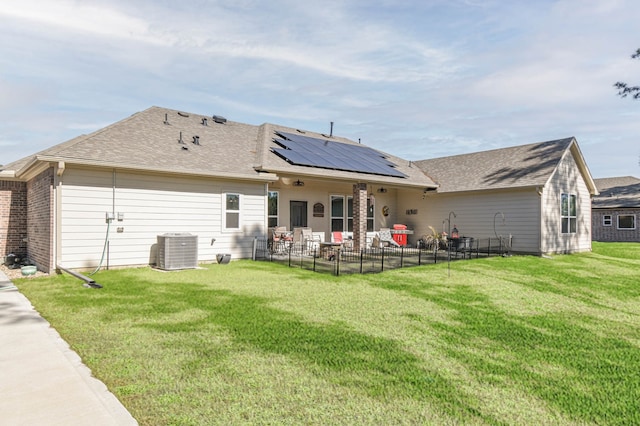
(109, 216)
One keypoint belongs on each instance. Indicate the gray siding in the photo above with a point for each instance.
(566, 179)
(475, 213)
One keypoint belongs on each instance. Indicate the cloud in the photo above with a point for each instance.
(417, 79)
(76, 16)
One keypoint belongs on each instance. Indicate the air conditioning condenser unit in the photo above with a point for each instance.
(177, 251)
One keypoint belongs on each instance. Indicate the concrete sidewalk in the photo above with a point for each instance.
(42, 381)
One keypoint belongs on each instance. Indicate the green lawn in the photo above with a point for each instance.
(519, 340)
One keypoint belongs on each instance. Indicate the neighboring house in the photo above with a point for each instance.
(617, 209)
(543, 191)
(109, 194)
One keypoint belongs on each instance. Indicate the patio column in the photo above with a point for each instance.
(359, 216)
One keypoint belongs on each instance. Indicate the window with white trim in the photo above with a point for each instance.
(337, 213)
(569, 213)
(342, 213)
(627, 221)
(232, 211)
(272, 209)
(606, 220)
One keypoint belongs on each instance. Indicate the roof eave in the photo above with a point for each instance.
(260, 177)
(371, 179)
(584, 169)
(535, 187)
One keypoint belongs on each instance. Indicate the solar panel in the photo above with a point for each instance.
(313, 152)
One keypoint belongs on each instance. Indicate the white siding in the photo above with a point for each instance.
(567, 179)
(151, 205)
(475, 215)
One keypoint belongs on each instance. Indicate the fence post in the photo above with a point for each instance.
(315, 251)
(382, 260)
(361, 258)
(402, 256)
(338, 262)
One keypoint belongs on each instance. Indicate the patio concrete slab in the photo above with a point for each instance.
(42, 381)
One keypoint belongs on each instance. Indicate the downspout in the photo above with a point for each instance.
(57, 214)
(540, 191)
(88, 281)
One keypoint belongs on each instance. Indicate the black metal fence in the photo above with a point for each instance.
(339, 260)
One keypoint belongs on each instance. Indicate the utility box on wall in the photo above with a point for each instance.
(177, 251)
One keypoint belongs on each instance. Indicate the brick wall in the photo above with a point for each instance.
(612, 233)
(13, 218)
(40, 220)
(359, 215)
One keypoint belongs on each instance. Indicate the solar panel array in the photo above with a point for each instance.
(313, 152)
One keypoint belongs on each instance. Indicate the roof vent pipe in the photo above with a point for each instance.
(166, 118)
(196, 140)
(180, 140)
(204, 122)
(331, 130)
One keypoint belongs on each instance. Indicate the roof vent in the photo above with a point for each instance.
(166, 119)
(180, 140)
(185, 148)
(196, 140)
(219, 119)
(204, 121)
(183, 114)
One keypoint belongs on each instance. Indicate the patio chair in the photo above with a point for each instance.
(338, 237)
(310, 243)
(280, 239)
(386, 240)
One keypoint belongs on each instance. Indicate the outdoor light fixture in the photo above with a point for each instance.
(298, 183)
(382, 190)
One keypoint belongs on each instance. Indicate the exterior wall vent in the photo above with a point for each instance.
(177, 251)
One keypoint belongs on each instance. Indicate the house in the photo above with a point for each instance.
(104, 198)
(617, 209)
(539, 193)
(109, 194)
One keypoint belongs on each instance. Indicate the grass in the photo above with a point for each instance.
(520, 340)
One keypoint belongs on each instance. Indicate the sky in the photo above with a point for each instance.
(416, 79)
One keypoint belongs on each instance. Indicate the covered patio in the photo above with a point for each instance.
(346, 260)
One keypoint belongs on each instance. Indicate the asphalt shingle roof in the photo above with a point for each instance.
(519, 166)
(149, 140)
(617, 192)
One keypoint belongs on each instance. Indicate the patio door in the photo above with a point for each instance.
(298, 214)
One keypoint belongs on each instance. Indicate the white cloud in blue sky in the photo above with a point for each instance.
(418, 79)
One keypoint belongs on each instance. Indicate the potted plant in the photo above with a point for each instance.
(434, 240)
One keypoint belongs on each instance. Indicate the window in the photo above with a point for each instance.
(339, 216)
(232, 211)
(627, 221)
(337, 213)
(606, 220)
(568, 213)
(272, 209)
